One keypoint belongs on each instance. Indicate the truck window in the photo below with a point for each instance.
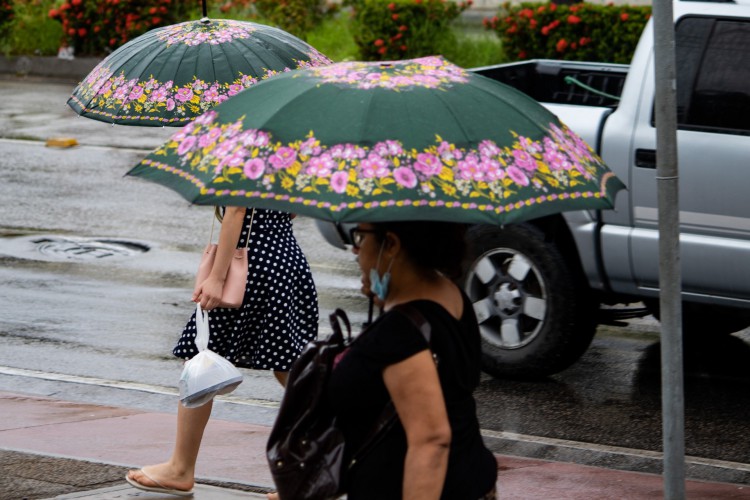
(713, 71)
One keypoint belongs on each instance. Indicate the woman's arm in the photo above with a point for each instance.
(209, 293)
(415, 389)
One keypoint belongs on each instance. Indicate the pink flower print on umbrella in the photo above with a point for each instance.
(428, 164)
(374, 166)
(339, 181)
(186, 145)
(321, 166)
(517, 175)
(388, 148)
(470, 169)
(184, 94)
(254, 168)
(159, 95)
(209, 139)
(405, 177)
(284, 157)
(235, 89)
(524, 160)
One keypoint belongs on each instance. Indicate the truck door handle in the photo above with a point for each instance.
(645, 158)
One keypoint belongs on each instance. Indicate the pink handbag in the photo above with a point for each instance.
(233, 292)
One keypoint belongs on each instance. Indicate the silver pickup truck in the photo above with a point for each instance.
(538, 287)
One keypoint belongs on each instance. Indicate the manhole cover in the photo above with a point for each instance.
(87, 249)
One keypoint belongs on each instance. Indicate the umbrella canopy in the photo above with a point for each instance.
(173, 74)
(404, 140)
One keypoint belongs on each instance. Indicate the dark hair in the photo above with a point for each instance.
(430, 244)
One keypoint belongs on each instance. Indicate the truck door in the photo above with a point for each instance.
(713, 100)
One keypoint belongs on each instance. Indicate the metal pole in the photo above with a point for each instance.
(670, 279)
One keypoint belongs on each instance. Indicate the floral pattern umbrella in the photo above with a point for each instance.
(416, 139)
(173, 74)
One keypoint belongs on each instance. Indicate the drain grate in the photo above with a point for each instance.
(87, 249)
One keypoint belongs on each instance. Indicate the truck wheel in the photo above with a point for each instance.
(700, 320)
(535, 316)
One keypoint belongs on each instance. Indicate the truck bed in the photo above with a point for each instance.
(549, 81)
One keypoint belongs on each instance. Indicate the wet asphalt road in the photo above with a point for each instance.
(99, 328)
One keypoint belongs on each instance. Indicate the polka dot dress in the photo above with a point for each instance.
(279, 314)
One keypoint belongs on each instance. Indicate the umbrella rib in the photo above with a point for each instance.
(441, 96)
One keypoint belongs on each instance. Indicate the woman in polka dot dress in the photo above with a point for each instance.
(278, 317)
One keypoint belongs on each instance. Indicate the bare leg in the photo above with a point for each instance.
(281, 377)
(179, 471)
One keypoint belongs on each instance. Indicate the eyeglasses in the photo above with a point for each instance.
(357, 236)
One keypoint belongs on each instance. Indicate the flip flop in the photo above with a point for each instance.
(157, 489)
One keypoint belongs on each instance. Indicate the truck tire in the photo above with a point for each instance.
(536, 316)
(701, 320)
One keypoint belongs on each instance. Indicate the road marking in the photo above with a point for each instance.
(118, 384)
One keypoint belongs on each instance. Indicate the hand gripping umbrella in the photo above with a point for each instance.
(172, 74)
(405, 140)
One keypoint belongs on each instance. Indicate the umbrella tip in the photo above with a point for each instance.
(205, 20)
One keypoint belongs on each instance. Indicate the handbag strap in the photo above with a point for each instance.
(388, 416)
(249, 228)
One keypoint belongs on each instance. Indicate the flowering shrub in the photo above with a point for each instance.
(580, 32)
(94, 27)
(404, 29)
(6, 15)
(298, 17)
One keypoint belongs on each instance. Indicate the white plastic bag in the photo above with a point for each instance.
(207, 374)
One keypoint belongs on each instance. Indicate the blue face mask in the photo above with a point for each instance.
(379, 285)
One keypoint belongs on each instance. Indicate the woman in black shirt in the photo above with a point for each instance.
(435, 450)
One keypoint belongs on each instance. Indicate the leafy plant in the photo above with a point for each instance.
(404, 29)
(298, 17)
(95, 27)
(582, 31)
(26, 29)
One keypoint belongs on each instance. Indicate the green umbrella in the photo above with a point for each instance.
(416, 139)
(170, 75)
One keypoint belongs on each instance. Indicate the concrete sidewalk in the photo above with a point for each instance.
(51, 448)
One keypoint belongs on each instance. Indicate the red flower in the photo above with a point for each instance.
(545, 30)
(512, 29)
(403, 27)
(624, 16)
(417, 2)
(573, 19)
(533, 23)
(97, 28)
(155, 20)
(394, 17)
(378, 42)
(392, 6)
(75, 2)
(403, 48)
(82, 32)
(583, 41)
(561, 45)
(53, 13)
(152, 10)
(72, 32)
(382, 50)
(552, 7)
(112, 42)
(522, 54)
(540, 9)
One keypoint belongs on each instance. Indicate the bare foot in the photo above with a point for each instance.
(161, 476)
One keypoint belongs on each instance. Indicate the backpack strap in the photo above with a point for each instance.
(388, 416)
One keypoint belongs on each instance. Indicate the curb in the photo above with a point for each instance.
(48, 67)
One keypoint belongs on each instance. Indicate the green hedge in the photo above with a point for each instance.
(404, 29)
(579, 32)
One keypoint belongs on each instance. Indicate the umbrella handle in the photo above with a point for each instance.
(205, 12)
